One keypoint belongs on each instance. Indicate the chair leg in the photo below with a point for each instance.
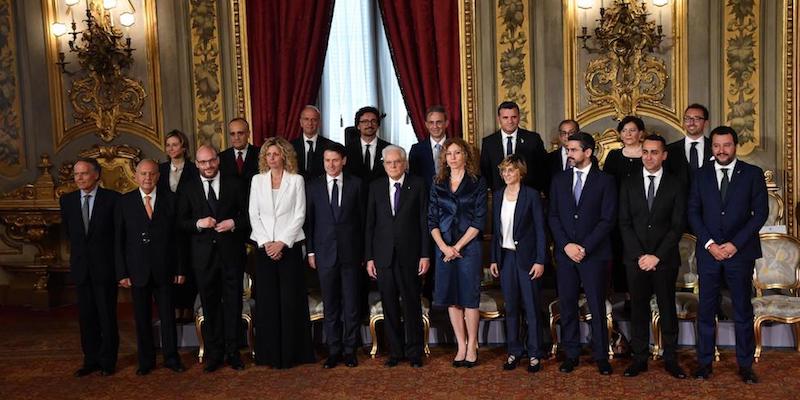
(372, 322)
(250, 338)
(426, 327)
(553, 321)
(610, 322)
(716, 336)
(757, 333)
(796, 328)
(198, 325)
(655, 325)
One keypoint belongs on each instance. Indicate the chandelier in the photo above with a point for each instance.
(103, 93)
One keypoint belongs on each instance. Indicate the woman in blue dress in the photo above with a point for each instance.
(456, 217)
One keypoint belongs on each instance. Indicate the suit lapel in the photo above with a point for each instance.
(99, 198)
(734, 178)
(588, 184)
(522, 198)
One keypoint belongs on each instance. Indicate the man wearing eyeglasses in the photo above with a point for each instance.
(556, 160)
(691, 153)
(364, 155)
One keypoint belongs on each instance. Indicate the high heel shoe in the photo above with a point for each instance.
(469, 364)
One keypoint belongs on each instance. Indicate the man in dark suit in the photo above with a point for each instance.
(582, 212)
(556, 160)
(652, 214)
(148, 263)
(423, 159)
(87, 216)
(397, 250)
(334, 216)
(241, 159)
(364, 155)
(212, 210)
(511, 139)
(310, 145)
(727, 208)
(692, 152)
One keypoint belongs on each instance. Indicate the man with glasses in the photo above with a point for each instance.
(556, 160)
(310, 145)
(364, 155)
(241, 159)
(691, 153)
(423, 159)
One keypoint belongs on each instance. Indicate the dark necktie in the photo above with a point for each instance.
(723, 186)
(85, 212)
(309, 154)
(578, 189)
(212, 197)
(509, 146)
(239, 162)
(368, 159)
(335, 199)
(651, 191)
(396, 197)
(694, 159)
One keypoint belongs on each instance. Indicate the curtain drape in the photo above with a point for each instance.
(423, 38)
(287, 41)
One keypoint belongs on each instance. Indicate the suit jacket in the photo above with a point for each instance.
(529, 237)
(330, 236)
(317, 167)
(355, 160)
(91, 255)
(656, 231)
(421, 162)
(227, 164)
(280, 219)
(589, 223)
(231, 204)
(189, 172)
(454, 213)
(404, 236)
(529, 145)
(147, 247)
(552, 165)
(737, 219)
(678, 165)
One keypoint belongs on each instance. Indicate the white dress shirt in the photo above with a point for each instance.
(656, 181)
(701, 144)
(152, 198)
(214, 184)
(175, 175)
(507, 223)
(372, 152)
(584, 175)
(339, 181)
(93, 194)
(513, 135)
(313, 140)
(563, 152)
(392, 190)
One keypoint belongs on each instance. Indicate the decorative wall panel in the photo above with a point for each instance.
(742, 66)
(207, 73)
(513, 56)
(12, 147)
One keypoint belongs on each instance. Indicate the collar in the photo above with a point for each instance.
(657, 174)
(152, 195)
(173, 168)
(92, 192)
(700, 140)
(506, 134)
(441, 142)
(585, 170)
(392, 181)
(313, 138)
(330, 179)
(373, 142)
(214, 178)
(730, 167)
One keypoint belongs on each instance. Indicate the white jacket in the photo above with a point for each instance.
(283, 220)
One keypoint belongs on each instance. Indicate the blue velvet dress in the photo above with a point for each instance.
(458, 282)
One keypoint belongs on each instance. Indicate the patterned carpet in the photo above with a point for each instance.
(40, 350)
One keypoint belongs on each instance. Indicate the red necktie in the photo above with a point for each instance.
(239, 162)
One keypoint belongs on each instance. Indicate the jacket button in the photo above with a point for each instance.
(723, 213)
(649, 226)
(575, 216)
(516, 242)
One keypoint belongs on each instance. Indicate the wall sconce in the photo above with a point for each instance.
(623, 15)
(106, 95)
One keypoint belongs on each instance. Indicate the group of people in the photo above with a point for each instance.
(366, 209)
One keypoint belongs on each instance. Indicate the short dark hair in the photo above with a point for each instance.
(368, 109)
(657, 138)
(435, 109)
(93, 162)
(336, 147)
(242, 120)
(507, 105)
(725, 130)
(630, 118)
(570, 121)
(587, 141)
(698, 106)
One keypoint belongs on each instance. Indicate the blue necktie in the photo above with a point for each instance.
(578, 187)
(335, 199)
(436, 151)
(509, 146)
(396, 197)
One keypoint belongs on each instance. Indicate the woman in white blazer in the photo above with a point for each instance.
(277, 212)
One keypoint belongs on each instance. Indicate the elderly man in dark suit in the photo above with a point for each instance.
(423, 159)
(212, 210)
(397, 250)
(147, 262)
(727, 208)
(511, 139)
(241, 159)
(364, 154)
(310, 145)
(652, 215)
(582, 212)
(87, 216)
(334, 217)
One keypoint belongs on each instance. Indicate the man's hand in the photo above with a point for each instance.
(224, 226)
(728, 249)
(371, 269)
(536, 271)
(312, 261)
(424, 264)
(206, 223)
(575, 252)
(180, 279)
(494, 270)
(716, 252)
(648, 262)
(125, 282)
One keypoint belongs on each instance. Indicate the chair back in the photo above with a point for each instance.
(247, 285)
(687, 272)
(778, 268)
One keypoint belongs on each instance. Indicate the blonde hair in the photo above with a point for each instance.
(516, 162)
(286, 150)
(470, 155)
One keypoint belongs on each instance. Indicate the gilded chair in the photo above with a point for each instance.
(777, 271)
(248, 305)
(315, 307)
(774, 200)
(376, 315)
(584, 315)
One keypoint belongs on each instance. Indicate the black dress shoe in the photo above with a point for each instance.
(351, 360)
(748, 376)
(392, 362)
(604, 367)
(85, 370)
(175, 366)
(106, 371)
(211, 366)
(458, 363)
(416, 362)
(332, 361)
(703, 372)
(674, 369)
(143, 371)
(235, 362)
(568, 365)
(635, 369)
(535, 365)
(511, 363)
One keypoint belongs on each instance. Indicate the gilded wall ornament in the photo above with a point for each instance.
(742, 63)
(206, 73)
(12, 147)
(513, 56)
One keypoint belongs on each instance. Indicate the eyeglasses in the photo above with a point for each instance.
(693, 119)
(567, 132)
(206, 162)
(368, 122)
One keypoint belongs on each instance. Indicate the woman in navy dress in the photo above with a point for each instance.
(456, 217)
(518, 256)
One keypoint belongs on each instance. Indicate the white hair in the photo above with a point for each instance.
(386, 150)
(312, 107)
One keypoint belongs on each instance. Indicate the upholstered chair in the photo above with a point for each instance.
(376, 316)
(583, 315)
(248, 308)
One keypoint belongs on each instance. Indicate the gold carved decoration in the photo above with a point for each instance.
(206, 73)
(467, 38)
(742, 66)
(604, 143)
(513, 55)
(240, 56)
(118, 164)
(790, 121)
(12, 146)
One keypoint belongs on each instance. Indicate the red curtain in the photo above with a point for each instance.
(286, 42)
(423, 39)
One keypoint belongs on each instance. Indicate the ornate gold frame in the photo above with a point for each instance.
(238, 11)
(209, 108)
(513, 57)
(13, 114)
(468, 32)
(788, 143)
